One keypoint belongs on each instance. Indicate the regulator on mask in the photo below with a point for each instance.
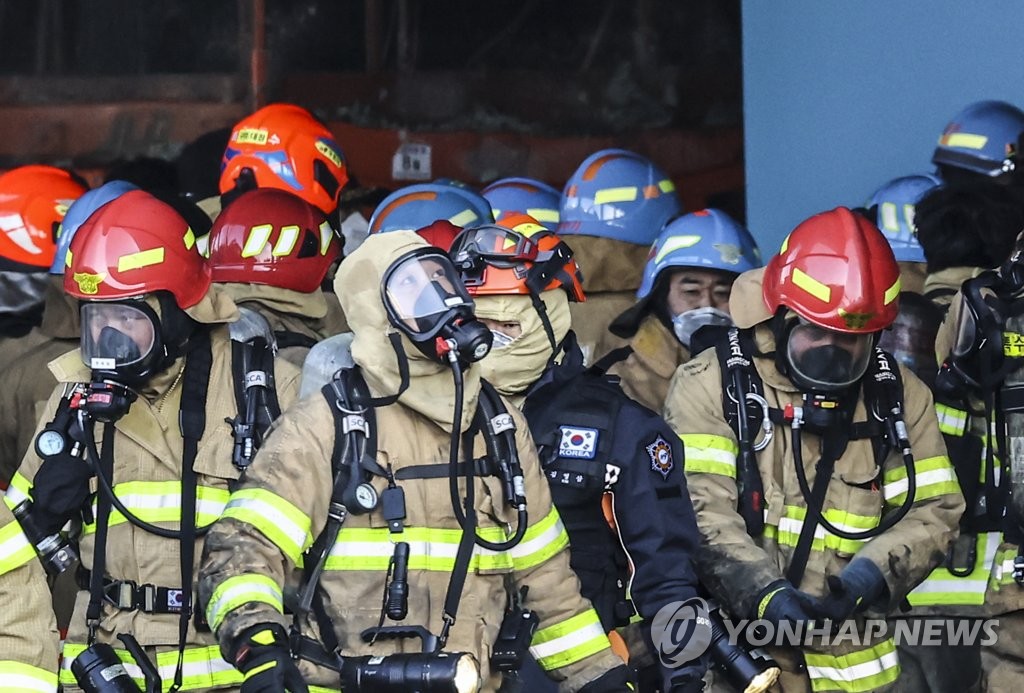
(686, 324)
(427, 302)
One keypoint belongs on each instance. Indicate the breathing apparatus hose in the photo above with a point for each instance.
(92, 454)
(453, 468)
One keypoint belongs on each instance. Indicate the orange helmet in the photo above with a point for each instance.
(269, 236)
(835, 270)
(285, 147)
(515, 256)
(132, 246)
(33, 200)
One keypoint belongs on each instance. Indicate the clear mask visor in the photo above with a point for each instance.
(825, 360)
(421, 290)
(115, 335)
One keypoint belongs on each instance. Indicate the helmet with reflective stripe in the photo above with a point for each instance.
(515, 256)
(707, 239)
(416, 206)
(132, 246)
(618, 194)
(982, 138)
(33, 201)
(524, 196)
(894, 205)
(837, 271)
(268, 236)
(285, 147)
(80, 210)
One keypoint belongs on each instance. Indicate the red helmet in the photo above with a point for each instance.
(287, 148)
(837, 271)
(132, 246)
(268, 236)
(515, 256)
(33, 200)
(440, 234)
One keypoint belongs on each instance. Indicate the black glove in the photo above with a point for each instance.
(261, 653)
(615, 680)
(59, 490)
(855, 589)
(781, 602)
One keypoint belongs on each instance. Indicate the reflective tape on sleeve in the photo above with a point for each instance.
(856, 672)
(709, 454)
(935, 476)
(569, 641)
(25, 678)
(15, 550)
(277, 519)
(239, 590)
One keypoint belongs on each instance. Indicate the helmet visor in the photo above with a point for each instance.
(116, 335)
(420, 291)
(824, 360)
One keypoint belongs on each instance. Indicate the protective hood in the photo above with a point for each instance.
(431, 391)
(512, 369)
(746, 303)
(215, 307)
(608, 264)
(287, 301)
(61, 316)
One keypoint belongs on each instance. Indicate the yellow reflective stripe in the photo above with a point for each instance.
(15, 550)
(952, 421)
(791, 524)
(942, 588)
(539, 213)
(891, 293)
(570, 641)
(856, 672)
(934, 475)
(888, 216)
(676, 243)
(278, 520)
(326, 234)
(257, 239)
(709, 454)
(541, 541)
(18, 491)
(1013, 344)
(804, 281)
(365, 548)
(464, 218)
(143, 258)
(666, 186)
(609, 195)
(160, 501)
(286, 241)
(964, 139)
(25, 678)
(202, 667)
(239, 590)
(189, 238)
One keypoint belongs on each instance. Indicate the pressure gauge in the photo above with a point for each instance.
(50, 443)
(366, 497)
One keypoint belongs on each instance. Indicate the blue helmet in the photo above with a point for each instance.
(415, 206)
(894, 205)
(80, 210)
(708, 239)
(982, 138)
(618, 194)
(524, 196)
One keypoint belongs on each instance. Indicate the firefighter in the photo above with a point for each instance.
(134, 439)
(613, 207)
(412, 503)
(271, 251)
(687, 281)
(592, 438)
(803, 498)
(33, 201)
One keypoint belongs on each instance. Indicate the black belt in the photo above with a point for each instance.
(482, 466)
(127, 595)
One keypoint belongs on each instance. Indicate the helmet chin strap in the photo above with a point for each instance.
(403, 373)
(542, 312)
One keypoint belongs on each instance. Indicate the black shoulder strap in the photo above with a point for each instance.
(287, 338)
(602, 365)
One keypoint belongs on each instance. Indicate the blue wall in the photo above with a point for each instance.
(840, 97)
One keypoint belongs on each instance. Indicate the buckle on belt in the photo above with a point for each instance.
(127, 595)
(1018, 569)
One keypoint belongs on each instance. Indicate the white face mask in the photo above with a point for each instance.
(501, 340)
(687, 323)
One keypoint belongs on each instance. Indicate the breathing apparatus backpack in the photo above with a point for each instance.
(253, 348)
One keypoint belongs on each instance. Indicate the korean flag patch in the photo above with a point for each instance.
(578, 443)
(660, 453)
